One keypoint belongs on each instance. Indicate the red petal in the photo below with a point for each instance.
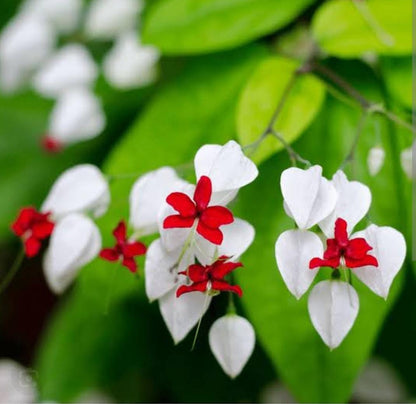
(203, 192)
(366, 260)
(120, 232)
(195, 287)
(109, 254)
(197, 273)
(341, 234)
(177, 221)
(213, 235)
(216, 216)
(357, 248)
(318, 262)
(182, 203)
(130, 264)
(32, 246)
(131, 250)
(51, 145)
(43, 229)
(226, 287)
(332, 249)
(23, 221)
(220, 269)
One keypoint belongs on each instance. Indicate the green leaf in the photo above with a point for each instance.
(199, 26)
(397, 73)
(310, 370)
(196, 108)
(349, 29)
(262, 96)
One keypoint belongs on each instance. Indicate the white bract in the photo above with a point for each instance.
(232, 340)
(63, 15)
(295, 249)
(333, 308)
(75, 242)
(16, 385)
(25, 43)
(375, 160)
(71, 66)
(406, 161)
(82, 188)
(77, 116)
(130, 64)
(107, 19)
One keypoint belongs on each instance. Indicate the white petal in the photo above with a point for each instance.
(406, 161)
(76, 116)
(64, 15)
(82, 188)
(354, 200)
(294, 249)
(308, 197)
(389, 247)
(333, 308)
(106, 19)
(71, 66)
(161, 269)
(129, 65)
(147, 196)
(375, 160)
(182, 313)
(227, 166)
(238, 236)
(16, 384)
(24, 44)
(75, 242)
(232, 340)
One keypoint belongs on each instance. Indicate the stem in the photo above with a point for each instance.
(231, 306)
(293, 155)
(13, 271)
(200, 321)
(109, 292)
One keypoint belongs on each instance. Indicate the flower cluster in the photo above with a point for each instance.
(29, 56)
(374, 255)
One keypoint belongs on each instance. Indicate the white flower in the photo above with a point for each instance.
(16, 385)
(82, 188)
(375, 160)
(71, 66)
(129, 64)
(232, 340)
(147, 196)
(107, 19)
(64, 15)
(407, 161)
(374, 255)
(24, 44)
(75, 242)
(308, 197)
(77, 116)
(333, 308)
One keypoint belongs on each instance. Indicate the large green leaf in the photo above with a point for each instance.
(311, 371)
(349, 29)
(397, 73)
(198, 26)
(261, 97)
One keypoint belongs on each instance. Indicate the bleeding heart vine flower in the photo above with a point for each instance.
(232, 340)
(375, 160)
(124, 249)
(210, 278)
(130, 64)
(77, 116)
(374, 255)
(70, 67)
(407, 161)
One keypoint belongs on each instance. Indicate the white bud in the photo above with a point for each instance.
(375, 160)
(406, 161)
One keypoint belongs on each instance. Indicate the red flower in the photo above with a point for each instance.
(210, 277)
(210, 218)
(353, 252)
(124, 250)
(51, 145)
(32, 227)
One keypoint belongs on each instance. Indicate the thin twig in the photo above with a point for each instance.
(13, 271)
(293, 155)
